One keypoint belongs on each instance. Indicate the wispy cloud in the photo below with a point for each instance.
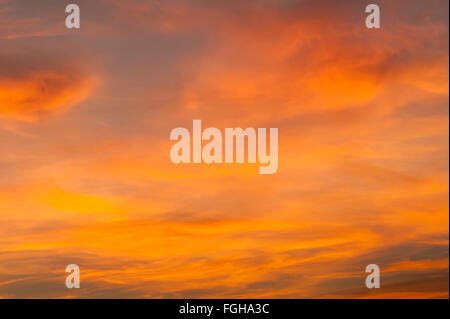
(85, 174)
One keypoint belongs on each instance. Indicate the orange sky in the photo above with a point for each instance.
(86, 177)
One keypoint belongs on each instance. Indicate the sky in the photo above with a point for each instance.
(363, 163)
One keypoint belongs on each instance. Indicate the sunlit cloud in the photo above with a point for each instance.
(42, 94)
(86, 178)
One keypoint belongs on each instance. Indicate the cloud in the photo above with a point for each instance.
(34, 85)
(363, 126)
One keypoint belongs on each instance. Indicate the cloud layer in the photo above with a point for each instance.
(85, 174)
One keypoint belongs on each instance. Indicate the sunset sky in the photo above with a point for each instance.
(86, 177)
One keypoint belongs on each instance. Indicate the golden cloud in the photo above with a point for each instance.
(32, 90)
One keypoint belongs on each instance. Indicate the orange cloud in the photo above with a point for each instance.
(363, 147)
(38, 94)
